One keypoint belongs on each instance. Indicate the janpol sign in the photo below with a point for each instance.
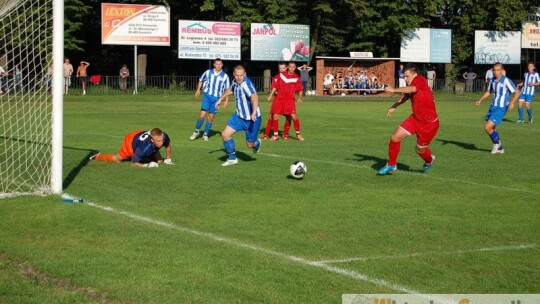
(265, 30)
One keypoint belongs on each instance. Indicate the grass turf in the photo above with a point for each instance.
(197, 232)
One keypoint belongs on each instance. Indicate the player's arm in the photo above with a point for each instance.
(404, 90)
(402, 99)
(486, 95)
(225, 96)
(198, 91)
(85, 63)
(514, 99)
(254, 106)
(300, 91)
(78, 71)
(272, 92)
(168, 153)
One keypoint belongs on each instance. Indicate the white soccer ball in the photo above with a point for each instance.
(342, 94)
(298, 169)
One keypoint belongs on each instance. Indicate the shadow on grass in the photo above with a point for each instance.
(466, 146)
(240, 155)
(378, 162)
(75, 171)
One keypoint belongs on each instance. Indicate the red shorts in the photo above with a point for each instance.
(425, 131)
(284, 107)
(126, 150)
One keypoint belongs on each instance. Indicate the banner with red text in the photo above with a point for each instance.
(135, 24)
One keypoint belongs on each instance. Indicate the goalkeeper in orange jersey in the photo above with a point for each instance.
(142, 148)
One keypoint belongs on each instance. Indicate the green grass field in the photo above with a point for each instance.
(200, 233)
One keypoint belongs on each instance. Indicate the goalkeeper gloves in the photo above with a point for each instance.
(151, 165)
(168, 161)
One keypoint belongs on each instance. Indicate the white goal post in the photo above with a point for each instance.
(31, 100)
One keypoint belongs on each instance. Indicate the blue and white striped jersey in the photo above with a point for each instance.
(242, 96)
(530, 78)
(502, 90)
(214, 84)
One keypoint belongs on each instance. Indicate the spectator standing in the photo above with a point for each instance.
(3, 81)
(18, 76)
(124, 74)
(401, 77)
(82, 75)
(49, 77)
(469, 77)
(68, 71)
(304, 75)
(431, 76)
(489, 75)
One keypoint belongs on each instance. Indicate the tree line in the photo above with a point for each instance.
(337, 27)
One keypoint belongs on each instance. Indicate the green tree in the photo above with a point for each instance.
(75, 13)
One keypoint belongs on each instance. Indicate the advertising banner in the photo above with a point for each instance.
(493, 46)
(134, 24)
(209, 40)
(427, 45)
(276, 42)
(530, 34)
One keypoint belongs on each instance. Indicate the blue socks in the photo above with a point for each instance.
(495, 137)
(520, 113)
(230, 148)
(199, 124)
(529, 112)
(208, 127)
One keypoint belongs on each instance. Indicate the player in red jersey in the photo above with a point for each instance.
(282, 66)
(287, 84)
(424, 121)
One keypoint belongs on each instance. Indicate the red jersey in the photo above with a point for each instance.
(287, 85)
(422, 101)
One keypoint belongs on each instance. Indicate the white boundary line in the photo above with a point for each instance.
(296, 259)
(405, 172)
(421, 254)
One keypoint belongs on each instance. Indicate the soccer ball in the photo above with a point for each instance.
(298, 169)
(342, 94)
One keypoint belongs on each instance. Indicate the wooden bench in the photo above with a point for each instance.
(358, 91)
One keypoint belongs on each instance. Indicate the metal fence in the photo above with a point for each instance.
(171, 84)
(148, 85)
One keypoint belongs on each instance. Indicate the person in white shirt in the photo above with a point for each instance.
(431, 75)
(328, 83)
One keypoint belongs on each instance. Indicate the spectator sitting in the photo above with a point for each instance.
(349, 81)
(328, 83)
(362, 82)
(374, 81)
(339, 80)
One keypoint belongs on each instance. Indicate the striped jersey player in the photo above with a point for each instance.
(531, 80)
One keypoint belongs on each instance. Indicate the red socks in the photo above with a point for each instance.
(393, 152)
(426, 156)
(268, 127)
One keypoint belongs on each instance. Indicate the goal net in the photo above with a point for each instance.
(26, 33)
